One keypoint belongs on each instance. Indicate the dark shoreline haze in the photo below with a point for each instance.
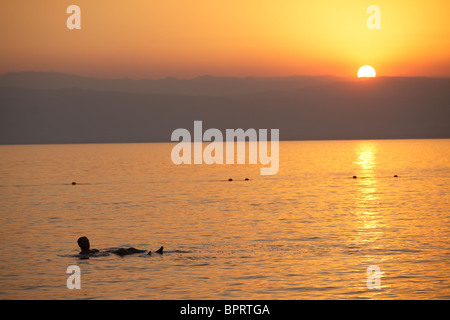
(46, 108)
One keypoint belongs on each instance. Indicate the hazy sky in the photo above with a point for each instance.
(188, 38)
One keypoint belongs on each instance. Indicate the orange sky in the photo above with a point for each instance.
(188, 38)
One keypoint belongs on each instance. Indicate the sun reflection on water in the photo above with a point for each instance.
(369, 222)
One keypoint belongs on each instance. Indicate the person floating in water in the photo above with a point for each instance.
(85, 247)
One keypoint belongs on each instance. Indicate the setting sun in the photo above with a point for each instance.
(366, 72)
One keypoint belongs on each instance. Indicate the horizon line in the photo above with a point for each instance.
(175, 142)
(216, 76)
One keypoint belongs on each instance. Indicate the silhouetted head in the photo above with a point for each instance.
(84, 244)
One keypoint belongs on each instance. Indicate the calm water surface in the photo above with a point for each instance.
(309, 232)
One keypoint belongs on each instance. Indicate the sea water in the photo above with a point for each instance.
(309, 232)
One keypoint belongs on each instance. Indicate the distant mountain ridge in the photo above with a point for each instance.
(203, 85)
(59, 108)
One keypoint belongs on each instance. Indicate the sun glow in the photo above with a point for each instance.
(366, 72)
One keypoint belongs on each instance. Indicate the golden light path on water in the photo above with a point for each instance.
(369, 220)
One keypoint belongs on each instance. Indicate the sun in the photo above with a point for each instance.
(366, 72)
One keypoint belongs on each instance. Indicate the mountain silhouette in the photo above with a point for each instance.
(40, 108)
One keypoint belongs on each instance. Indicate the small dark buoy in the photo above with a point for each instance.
(230, 179)
(160, 250)
(74, 183)
(396, 176)
(354, 177)
(246, 179)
